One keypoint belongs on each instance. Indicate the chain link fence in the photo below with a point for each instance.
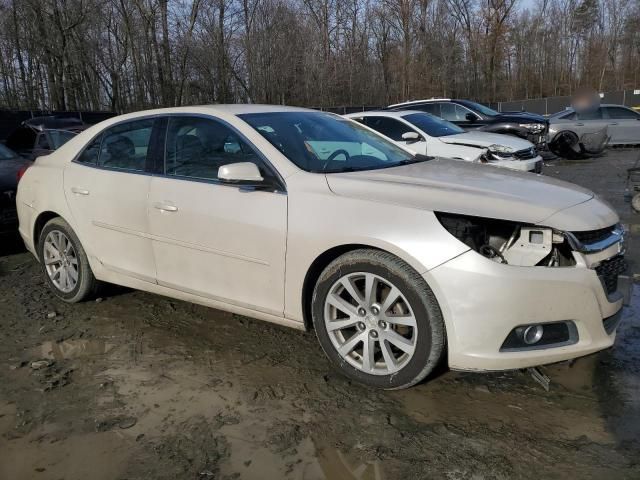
(542, 106)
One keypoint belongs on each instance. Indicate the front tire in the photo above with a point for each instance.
(377, 320)
(64, 262)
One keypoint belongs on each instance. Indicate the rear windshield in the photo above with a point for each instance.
(433, 126)
(326, 143)
(60, 137)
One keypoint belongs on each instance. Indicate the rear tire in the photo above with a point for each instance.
(64, 262)
(377, 320)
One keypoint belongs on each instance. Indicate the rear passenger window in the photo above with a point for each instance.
(90, 154)
(620, 113)
(198, 147)
(126, 146)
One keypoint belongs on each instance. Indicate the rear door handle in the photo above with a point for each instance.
(613, 123)
(80, 191)
(579, 124)
(165, 207)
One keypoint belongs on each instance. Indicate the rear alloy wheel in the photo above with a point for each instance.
(377, 319)
(65, 262)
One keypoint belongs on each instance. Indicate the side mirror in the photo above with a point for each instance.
(240, 172)
(471, 117)
(411, 137)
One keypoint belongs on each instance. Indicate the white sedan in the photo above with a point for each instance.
(313, 221)
(429, 135)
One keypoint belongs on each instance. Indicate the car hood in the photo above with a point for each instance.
(9, 173)
(484, 140)
(479, 190)
(524, 117)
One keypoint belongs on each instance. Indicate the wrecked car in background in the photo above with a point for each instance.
(427, 134)
(312, 221)
(580, 134)
(475, 116)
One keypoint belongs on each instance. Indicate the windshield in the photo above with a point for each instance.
(482, 109)
(433, 126)
(60, 137)
(6, 153)
(325, 143)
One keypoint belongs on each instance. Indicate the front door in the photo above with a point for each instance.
(213, 239)
(107, 188)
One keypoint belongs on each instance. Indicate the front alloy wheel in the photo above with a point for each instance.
(377, 319)
(370, 323)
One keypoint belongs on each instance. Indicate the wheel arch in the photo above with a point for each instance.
(324, 259)
(40, 222)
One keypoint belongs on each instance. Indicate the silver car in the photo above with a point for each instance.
(622, 124)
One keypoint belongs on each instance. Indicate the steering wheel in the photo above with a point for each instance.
(333, 156)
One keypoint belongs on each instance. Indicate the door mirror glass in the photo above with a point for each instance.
(471, 117)
(240, 172)
(411, 137)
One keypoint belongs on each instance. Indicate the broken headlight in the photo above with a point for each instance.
(500, 151)
(509, 242)
(533, 127)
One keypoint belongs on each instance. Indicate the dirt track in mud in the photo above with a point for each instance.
(138, 386)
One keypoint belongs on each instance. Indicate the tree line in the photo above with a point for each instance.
(125, 55)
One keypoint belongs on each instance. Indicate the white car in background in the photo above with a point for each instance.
(429, 135)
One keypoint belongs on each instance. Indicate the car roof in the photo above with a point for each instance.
(384, 113)
(426, 100)
(571, 109)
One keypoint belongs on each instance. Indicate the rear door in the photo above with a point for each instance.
(624, 124)
(107, 188)
(214, 239)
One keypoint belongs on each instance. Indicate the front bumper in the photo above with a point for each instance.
(482, 301)
(529, 165)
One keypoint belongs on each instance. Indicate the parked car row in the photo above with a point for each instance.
(35, 137)
(314, 221)
(429, 135)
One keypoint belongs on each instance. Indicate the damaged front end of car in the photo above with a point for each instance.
(568, 145)
(509, 242)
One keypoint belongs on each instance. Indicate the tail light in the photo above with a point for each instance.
(22, 171)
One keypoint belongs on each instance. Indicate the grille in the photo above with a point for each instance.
(609, 270)
(593, 236)
(525, 154)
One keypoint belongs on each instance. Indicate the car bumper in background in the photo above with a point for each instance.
(483, 301)
(8, 219)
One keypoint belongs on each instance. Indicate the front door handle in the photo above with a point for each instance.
(165, 207)
(579, 124)
(613, 123)
(79, 191)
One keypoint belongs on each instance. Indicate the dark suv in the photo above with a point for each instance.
(42, 135)
(474, 116)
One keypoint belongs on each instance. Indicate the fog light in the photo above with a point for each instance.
(532, 334)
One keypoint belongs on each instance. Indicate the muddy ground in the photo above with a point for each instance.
(137, 386)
